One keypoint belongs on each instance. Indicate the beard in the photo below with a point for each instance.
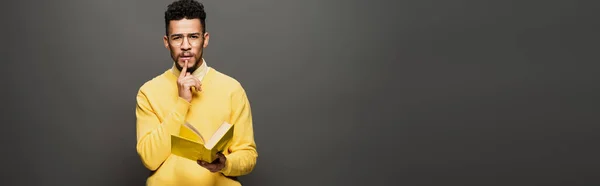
(197, 60)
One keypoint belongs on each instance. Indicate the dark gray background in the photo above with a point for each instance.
(428, 92)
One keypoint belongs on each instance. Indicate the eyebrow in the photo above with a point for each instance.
(195, 33)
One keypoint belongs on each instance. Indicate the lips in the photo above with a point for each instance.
(186, 56)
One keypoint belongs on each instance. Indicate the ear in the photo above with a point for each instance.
(166, 41)
(206, 38)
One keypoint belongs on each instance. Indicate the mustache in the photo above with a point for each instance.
(186, 54)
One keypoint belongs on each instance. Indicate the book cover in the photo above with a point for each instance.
(191, 145)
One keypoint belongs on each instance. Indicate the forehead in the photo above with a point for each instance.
(185, 26)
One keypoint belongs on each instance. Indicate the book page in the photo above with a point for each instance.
(218, 135)
(188, 125)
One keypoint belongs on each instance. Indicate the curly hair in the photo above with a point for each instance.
(189, 9)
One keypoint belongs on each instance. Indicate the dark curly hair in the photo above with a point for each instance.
(189, 9)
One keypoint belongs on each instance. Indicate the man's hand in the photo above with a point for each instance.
(185, 82)
(216, 165)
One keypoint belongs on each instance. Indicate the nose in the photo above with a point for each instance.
(186, 44)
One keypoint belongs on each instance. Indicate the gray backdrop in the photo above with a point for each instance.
(428, 92)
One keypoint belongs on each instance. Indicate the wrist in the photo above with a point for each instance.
(225, 166)
(189, 100)
(182, 105)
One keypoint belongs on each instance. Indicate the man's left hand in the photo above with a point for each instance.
(216, 165)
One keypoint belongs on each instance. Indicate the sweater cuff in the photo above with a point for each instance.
(178, 116)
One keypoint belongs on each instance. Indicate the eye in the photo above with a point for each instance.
(175, 37)
(194, 37)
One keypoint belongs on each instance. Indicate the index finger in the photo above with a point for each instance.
(184, 70)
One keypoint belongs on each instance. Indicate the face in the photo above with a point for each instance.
(186, 42)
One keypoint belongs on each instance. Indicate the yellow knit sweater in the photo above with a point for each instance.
(160, 112)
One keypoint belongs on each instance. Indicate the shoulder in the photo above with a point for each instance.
(155, 84)
(233, 89)
(227, 82)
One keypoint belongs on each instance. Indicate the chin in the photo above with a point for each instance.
(191, 63)
(190, 68)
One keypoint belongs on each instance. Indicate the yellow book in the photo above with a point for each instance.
(191, 145)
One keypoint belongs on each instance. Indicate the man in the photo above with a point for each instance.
(195, 93)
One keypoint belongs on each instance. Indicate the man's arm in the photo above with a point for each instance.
(242, 157)
(154, 137)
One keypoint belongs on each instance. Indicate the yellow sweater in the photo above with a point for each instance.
(160, 112)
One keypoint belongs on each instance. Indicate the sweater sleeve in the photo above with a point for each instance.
(242, 151)
(153, 136)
